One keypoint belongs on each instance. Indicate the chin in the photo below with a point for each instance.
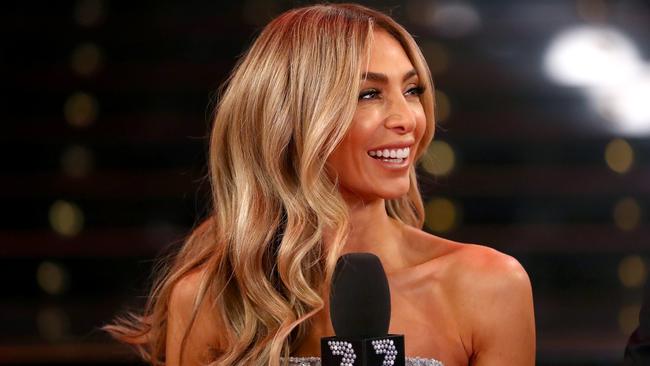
(394, 194)
(370, 193)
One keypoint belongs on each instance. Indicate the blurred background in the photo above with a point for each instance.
(542, 152)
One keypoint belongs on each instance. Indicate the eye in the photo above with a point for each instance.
(369, 94)
(417, 90)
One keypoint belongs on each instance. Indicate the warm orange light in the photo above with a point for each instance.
(440, 158)
(441, 215)
(80, 110)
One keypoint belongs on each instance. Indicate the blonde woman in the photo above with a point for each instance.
(312, 155)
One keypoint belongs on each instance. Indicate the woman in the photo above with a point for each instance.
(312, 155)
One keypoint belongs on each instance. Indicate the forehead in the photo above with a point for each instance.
(387, 55)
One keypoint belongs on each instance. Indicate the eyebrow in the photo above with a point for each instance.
(375, 76)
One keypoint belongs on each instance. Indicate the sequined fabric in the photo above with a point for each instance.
(410, 361)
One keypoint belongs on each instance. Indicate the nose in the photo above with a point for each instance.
(399, 117)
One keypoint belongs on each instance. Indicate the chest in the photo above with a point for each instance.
(422, 314)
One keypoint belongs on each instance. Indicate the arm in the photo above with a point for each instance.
(500, 308)
(204, 334)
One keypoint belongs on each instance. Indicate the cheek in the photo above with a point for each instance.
(339, 162)
(347, 159)
(364, 123)
(361, 132)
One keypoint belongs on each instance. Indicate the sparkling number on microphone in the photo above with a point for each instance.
(387, 347)
(342, 348)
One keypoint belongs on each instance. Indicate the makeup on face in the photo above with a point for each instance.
(374, 158)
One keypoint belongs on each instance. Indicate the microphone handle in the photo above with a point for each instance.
(385, 350)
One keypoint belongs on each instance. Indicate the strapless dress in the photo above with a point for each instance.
(410, 361)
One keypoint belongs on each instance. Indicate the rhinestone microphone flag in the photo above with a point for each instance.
(360, 313)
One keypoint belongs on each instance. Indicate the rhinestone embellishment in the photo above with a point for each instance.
(387, 347)
(410, 361)
(342, 348)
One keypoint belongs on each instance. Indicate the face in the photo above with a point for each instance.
(373, 160)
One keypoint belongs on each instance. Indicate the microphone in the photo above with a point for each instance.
(360, 313)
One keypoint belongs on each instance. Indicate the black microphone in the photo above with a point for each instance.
(360, 313)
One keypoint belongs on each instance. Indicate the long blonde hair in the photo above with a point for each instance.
(286, 106)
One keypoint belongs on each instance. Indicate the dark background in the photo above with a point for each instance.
(106, 110)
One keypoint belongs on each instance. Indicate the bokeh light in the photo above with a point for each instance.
(607, 64)
(451, 19)
(441, 215)
(86, 59)
(53, 324)
(80, 109)
(455, 19)
(619, 156)
(66, 218)
(626, 105)
(440, 158)
(627, 214)
(52, 278)
(77, 161)
(589, 56)
(632, 271)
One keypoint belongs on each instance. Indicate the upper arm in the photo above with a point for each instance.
(203, 336)
(502, 315)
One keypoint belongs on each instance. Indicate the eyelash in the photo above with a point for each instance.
(418, 90)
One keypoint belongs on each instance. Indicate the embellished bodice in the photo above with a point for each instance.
(410, 361)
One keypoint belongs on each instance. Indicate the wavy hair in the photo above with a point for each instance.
(286, 106)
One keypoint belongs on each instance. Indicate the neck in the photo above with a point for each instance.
(373, 231)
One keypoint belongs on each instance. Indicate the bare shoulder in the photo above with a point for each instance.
(479, 256)
(493, 297)
(193, 315)
(185, 292)
(469, 266)
(187, 296)
(476, 275)
(486, 269)
(485, 296)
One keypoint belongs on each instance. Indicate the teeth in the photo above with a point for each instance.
(392, 153)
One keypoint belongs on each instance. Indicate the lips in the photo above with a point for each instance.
(399, 163)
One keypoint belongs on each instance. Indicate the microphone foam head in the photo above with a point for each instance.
(360, 297)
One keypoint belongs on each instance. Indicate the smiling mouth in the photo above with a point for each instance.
(391, 158)
(390, 155)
